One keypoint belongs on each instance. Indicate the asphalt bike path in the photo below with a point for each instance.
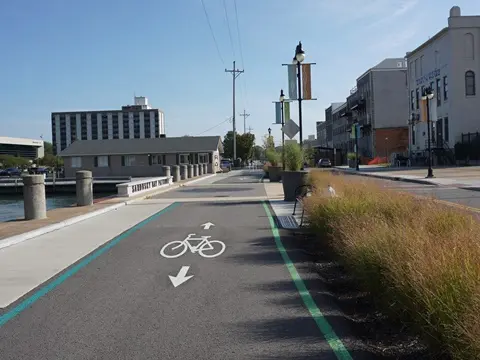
(209, 280)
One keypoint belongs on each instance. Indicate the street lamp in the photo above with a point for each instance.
(428, 95)
(282, 99)
(269, 132)
(298, 59)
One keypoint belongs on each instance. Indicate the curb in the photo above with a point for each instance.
(16, 239)
(384, 177)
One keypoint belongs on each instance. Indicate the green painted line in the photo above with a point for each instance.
(28, 302)
(324, 326)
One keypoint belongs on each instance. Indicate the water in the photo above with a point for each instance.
(12, 207)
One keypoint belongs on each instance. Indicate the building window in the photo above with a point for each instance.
(445, 88)
(470, 83)
(412, 100)
(128, 160)
(157, 159)
(76, 162)
(203, 158)
(446, 132)
(101, 161)
(413, 134)
(439, 92)
(417, 98)
(184, 159)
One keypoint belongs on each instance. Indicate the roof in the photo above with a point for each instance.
(428, 42)
(143, 146)
(20, 141)
(387, 64)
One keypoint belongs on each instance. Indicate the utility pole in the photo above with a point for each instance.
(235, 73)
(245, 115)
(250, 129)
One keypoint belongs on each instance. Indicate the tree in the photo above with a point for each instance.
(268, 142)
(258, 152)
(245, 143)
(48, 148)
(51, 161)
(8, 161)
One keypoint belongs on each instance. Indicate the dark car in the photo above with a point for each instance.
(10, 172)
(322, 163)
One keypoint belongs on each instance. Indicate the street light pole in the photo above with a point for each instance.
(299, 57)
(282, 99)
(428, 95)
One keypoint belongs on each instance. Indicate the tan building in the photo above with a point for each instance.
(141, 157)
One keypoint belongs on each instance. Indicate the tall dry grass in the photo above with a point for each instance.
(420, 259)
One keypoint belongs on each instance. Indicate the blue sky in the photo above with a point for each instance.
(89, 55)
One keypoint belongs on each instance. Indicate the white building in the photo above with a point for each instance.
(449, 62)
(139, 121)
(26, 148)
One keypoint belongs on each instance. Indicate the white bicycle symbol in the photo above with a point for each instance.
(177, 248)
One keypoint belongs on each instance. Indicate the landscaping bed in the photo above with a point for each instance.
(417, 261)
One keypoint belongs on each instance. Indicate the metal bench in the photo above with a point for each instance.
(302, 192)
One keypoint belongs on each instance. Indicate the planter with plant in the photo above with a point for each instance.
(293, 177)
(352, 160)
(274, 170)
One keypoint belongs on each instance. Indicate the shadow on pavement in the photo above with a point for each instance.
(206, 189)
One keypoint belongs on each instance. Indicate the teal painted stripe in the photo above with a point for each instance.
(25, 304)
(333, 340)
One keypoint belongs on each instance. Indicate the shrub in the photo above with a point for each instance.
(418, 258)
(294, 157)
(273, 156)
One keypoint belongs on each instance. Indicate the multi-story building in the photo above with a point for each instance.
(26, 148)
(138, 121)
(379, 104)
(339, 128)
(449, 62)
(321, 133)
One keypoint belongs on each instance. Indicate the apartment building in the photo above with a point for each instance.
(449, 62)
(138, 121)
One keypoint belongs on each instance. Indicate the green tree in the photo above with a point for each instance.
(245, 144)
(51, 161)
(268, 142)
(48, 148)
(258, 152)
(13, 161)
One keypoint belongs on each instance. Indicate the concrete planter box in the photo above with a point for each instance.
(291, 181)
(274, 173)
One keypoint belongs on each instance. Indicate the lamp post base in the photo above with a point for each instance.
(429, 173)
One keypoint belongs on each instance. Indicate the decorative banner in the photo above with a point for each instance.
(423, 110)
(307, 82)
(286, 110)
(352, 133)
(278, 112)
(292, 82)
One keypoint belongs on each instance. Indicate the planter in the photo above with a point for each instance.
(291, 181)
(274, 173)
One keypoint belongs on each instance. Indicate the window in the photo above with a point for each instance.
(446, 133)
(445, 88)
(101, 161)
(417, 98)
(184, 159)
(421, 65)
(128, 160)
(76, 162)
(202, 158)
(413, 134)
(470, 83)
(438, 93)
(157, 160)
(412, 100)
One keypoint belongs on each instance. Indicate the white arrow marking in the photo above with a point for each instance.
(207, 225)
(181, 277)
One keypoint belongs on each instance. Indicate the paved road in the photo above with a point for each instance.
(451, 194)
(118, 302)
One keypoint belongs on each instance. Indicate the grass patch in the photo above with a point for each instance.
(419, 259)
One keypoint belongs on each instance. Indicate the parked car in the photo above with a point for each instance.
(11, 172)
(322, 163)
(225, 165)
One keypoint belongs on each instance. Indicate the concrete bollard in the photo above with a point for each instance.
(205, 169)
(200, 169)
(190, 171)
(195, 170)
(84, 186)
(184, 172)
(34, 199)
(167, 171)
(176, 173)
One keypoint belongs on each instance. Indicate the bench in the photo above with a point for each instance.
(302, 192)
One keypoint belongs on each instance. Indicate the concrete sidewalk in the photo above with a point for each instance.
(60, 217)
(461, 177)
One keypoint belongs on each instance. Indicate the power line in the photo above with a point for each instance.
(229, 31)
(213, 35)
(235, 73)
(245, 115)
(238, 33)
(213, 127)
